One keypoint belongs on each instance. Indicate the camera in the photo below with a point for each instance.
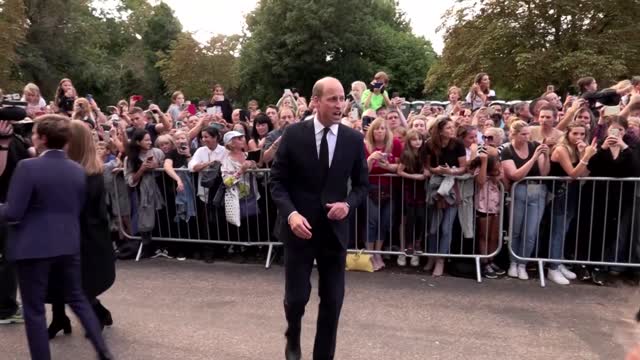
(12, 109)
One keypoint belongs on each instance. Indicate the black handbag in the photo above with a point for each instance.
(210, 175)
(218, 198)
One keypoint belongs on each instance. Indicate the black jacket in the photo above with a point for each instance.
(295, 185)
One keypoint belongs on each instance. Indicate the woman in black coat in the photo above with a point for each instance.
(97, 254)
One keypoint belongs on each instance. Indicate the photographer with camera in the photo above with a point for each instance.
(13, 148)
(376, 96)
(66, 95)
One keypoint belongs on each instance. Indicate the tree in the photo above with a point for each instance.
(526, 45)
(13, 23)
(194, 68)
(292, 44)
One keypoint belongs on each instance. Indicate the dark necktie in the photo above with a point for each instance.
(324, 155)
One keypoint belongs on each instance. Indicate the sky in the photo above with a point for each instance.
(227, 16)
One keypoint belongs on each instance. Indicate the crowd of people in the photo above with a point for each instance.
(428, 167)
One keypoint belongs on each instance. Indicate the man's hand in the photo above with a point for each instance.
(300, 226)
(337, 211)
(5, 130)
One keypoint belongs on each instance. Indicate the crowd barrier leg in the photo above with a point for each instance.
(541, 273)
(267, 265)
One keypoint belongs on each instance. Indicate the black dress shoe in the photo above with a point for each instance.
(103, 314)
(292, 351)
(57, 324)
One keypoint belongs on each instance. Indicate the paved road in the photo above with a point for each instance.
(164, 309)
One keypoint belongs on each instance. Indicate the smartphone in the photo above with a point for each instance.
(183, 107)
(150, 158)
(366, 121)
(89, 97)
(378, 85)
(217, 110)
(136, 98)
(106, 127)
(614, 132)
(288, 92)
(611, 110)
(192, 109)
(551, 88)
(211, 111)
(353, 115)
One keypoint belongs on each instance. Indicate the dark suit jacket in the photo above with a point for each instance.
(295, 185)
(45, 197)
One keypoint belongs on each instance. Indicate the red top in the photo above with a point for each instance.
(393, 158)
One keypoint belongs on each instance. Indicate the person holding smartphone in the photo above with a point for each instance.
(220, 104)
(142, 158)
(376, 95)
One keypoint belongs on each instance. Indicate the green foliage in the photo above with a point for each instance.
(194, 68)
(293, 43)
(526, 45)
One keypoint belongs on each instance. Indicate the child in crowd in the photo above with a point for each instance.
(488, 172)
(411, 168)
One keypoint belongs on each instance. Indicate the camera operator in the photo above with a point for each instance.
(13, 148)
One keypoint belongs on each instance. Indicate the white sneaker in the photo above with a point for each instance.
(415, 261)
(522, 272)
(568, 274)
(513, 270)
(557, 277)
(402, 260)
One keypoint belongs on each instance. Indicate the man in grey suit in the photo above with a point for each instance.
(45, 197)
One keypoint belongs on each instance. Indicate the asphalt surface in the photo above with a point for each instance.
(165, 309)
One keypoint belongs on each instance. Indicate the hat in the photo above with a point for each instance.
(231, 135)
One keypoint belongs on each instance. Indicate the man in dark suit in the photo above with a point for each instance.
(45, 198)
(309, 177)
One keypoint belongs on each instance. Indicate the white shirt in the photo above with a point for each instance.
(332, 136)
(204, 155)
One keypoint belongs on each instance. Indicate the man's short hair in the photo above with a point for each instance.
(135, 110)
(584, 82)
(548, 107)
(56, 128)
(271, 106)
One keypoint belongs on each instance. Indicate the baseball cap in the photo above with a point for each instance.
(230, 135)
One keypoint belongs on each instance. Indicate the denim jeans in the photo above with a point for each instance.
(565, 208)
(528, 209)
(440, 230)
(378, 220)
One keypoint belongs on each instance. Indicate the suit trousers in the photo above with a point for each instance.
(330, 256)
(8, 280)
(33, 277)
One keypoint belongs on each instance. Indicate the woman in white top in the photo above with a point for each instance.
(206, 155)
(36, 105)
(480, 92)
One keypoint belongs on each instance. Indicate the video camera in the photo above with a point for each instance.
(12, 109)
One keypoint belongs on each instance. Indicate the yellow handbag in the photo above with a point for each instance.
(359, 262)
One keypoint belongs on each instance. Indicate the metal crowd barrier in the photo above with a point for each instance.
(208, 225)
(404, 227)
(587, 221)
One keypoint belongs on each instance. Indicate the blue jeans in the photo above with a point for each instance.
(440, 230)
(565, 208)
(528, 209)
(379, 220)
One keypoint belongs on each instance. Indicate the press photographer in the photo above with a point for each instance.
(13, 148)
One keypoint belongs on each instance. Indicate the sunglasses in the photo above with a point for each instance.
(487, 138)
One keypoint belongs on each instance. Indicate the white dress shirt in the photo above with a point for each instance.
(332, 136)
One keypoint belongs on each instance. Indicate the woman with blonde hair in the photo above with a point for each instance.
(96, 249)
(36, 105)
(524, 158)
(82, 111)
(383, 153)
